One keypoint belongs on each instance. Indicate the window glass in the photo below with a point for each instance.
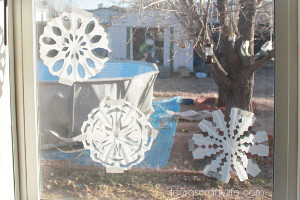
(155, 99)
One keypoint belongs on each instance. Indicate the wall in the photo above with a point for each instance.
(117, 33)
(183, 55)
(117, 42)
(104, 15)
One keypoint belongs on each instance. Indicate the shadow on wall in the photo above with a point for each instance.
(2, 60)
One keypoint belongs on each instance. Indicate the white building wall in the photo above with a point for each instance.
(117, 40)
(167, 46)
(183, 57)
(118, 36)
(104, 15)
(184, 54)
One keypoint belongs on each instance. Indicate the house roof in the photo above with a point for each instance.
(113, 8)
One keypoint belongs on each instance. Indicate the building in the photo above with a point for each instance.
(129, 31)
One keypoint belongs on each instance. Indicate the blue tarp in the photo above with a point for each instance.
(159, 154)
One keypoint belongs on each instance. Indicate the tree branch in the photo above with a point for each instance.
(247, 19)
(221, 75)
(260, 62)
(187, 15)
(227, 56)
(223, 18)
(205, 21)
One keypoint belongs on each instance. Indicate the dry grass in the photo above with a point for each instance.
(73, 182)
(61, 180)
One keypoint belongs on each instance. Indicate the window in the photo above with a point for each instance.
(28, 101)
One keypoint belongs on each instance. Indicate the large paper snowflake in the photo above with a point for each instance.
(118, 135)
(74, 47)
(2, 59)
(230, 142)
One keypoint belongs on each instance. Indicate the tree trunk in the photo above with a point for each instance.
(239, 94)
(233, 68)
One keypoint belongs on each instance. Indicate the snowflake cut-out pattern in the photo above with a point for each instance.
(2, 60)
(74, 47)
(230, 142)
(118, 134)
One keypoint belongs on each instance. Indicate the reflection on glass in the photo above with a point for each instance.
(155, 99)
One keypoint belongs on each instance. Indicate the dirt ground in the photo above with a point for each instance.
(183, 177)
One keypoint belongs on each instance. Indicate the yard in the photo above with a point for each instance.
(182, 178)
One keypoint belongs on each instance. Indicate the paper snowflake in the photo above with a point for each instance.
(118, 135)
(74, 47)
(230, 142)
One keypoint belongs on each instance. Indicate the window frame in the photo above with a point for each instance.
(286, 100)
(24, 100)
(287, 95)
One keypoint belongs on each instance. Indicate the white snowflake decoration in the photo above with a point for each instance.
(74, 47)
(118, 135)
(230, 142)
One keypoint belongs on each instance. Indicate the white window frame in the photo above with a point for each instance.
(286, 171)
(287, 104)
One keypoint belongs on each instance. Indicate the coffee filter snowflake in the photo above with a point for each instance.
(230, 142)
(2, 60)
(74, 47)
(118, 135)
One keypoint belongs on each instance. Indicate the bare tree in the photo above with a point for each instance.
(235, 62)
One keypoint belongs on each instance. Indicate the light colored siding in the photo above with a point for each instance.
(166, 47)
(118, 30)
(183, 57)
(104, 15)
(117, 38)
